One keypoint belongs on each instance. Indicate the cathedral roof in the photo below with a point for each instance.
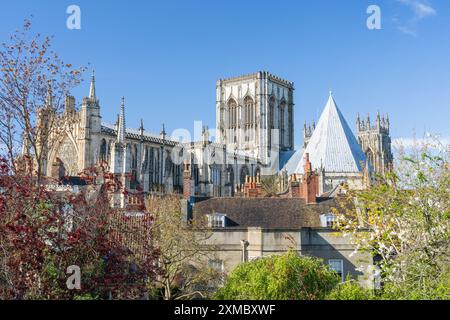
(332, 145)
(136, 135)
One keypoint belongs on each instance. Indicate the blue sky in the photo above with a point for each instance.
(165, 56)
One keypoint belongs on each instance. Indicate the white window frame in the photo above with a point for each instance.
(216, 264)
(341, 263)
(327, 220)
(330, 220)
(217, 220)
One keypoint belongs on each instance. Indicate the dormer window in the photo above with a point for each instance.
(328, 220)
(217, 220)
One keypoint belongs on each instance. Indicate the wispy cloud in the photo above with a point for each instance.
(421, 9)
(435, 142)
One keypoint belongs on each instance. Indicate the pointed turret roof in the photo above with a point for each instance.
(122, 130)
(333, 146)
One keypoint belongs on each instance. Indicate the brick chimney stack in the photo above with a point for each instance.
(309, 183)
(308, 186)
(308, 167)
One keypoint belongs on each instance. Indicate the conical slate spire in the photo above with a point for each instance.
(332, 145)
(92, 87)
(122, 131)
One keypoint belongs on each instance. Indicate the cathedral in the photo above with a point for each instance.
(254, 138)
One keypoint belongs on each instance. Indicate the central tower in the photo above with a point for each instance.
(255, 114)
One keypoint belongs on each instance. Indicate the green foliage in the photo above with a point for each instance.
(406, 213)
(270, 185)
(85, 297)
(351, 290)
(286, 277)
(431, 289)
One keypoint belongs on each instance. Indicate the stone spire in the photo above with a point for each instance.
(141, 128)
(378, 120)
(92, 87)
(358, 122)
(122, 131)
(163, 132)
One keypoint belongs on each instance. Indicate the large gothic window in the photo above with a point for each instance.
(271, 121)
(231, 175)
(151, 169)
(249, 112)
(244, 173)
(248, 118)
(134, 165)
(103, 150)
(68, 155)
(282, 123)
(272, 112)
(370, 155)
(232, 109)
(134, 157)
(222, 118)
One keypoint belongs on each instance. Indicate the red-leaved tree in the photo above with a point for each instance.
(43, 232)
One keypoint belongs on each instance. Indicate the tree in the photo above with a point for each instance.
(270, 186)
(183, 259)
(406, 215)
(351, 290)
(34, 82)
(286, 277)
(43, 232)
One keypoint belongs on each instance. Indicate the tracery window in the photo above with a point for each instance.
(103, 150)
(249, 111)
(272, 112)
(232, 109)
(282, 122)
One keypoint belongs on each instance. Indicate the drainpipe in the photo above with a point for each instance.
(244, 244)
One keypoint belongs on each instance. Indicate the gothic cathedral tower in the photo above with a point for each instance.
(252, 111)
(376, 142)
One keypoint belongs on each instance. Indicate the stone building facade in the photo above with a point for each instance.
(248, 229)
(254, 138)
(252, 111)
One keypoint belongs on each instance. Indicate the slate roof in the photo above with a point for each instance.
(332, 145)
(266, 213)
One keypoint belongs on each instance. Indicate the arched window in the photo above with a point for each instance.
(108, 154)
(272, 112)
(151, 169)
(370, 155)
(134, 157)
(222, 118)
(244, 173)
(232, 118)
(271, 122)
(248, 107)
(230, 175)
(282, 123)
(103, 150)
(232, 109)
